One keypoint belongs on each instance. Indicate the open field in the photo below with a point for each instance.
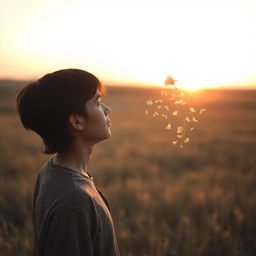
(199, 200)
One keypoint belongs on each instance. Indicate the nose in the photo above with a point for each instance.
(107, 109)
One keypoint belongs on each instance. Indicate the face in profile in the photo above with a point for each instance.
(97, 121)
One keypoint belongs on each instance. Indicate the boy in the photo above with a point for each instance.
(70, 215)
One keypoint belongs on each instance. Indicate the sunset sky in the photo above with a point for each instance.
(201, 43)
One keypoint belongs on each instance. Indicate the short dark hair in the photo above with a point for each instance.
(45, 105)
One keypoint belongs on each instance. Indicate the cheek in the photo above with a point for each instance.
(96, 127)
(96, 116)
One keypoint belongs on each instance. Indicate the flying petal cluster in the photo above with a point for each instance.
(172, 107)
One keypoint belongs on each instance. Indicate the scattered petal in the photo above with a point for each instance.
(149, 102)
(202, 110)
(146, 111)
(187, 119)
(186, 140)
(158, 101)
(166, 107)
(179, 136)
(192, 128)
(164, 116)
(181, 94)
(192, 109)
(155, 114)
(174, 142)
(175, 113)
(180, 129)
(178, 102)
(194, 119)
(159, 107)
(181, 145)
(168, 127)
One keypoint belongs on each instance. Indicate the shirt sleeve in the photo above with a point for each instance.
(69, 234)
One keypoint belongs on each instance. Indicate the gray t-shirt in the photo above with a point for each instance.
(70, 215)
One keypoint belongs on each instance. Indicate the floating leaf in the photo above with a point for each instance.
(159, 101)
(186, 140)
(192, 110)
(178, 102)
(146, 111)
(166, 107)
(175, 113)
(149, 102)
(168, 127)
(180, 129)
(187, 119)
(202, 110)
(174, 142)
(194, 119)
(164, 116)
(155, 114)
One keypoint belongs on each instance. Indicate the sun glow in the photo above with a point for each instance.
(189, 42)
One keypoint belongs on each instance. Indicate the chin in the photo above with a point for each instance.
(108, 135)
(104, 137)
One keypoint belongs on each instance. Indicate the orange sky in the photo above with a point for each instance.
(201, 43)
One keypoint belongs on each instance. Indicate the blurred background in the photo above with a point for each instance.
(165, 200)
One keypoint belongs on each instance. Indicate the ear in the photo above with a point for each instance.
(76, 121)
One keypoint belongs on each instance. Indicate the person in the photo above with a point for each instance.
(71, 216)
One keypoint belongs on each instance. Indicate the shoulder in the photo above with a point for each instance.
(60, 189)
(83, 195)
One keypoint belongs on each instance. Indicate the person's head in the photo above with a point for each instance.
(62, 106)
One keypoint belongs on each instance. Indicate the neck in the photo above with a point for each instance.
(76, 159)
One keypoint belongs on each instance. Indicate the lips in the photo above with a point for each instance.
(108, 122)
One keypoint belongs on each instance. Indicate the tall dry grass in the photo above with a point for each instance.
(199, 200)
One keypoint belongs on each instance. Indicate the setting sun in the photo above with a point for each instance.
(168, 148)
(201, 44)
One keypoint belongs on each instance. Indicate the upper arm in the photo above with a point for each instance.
(68, 234)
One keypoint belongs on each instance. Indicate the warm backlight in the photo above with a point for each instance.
(202, 44)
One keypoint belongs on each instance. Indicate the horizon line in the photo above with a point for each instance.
(147, 85)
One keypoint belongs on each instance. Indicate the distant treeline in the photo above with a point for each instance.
(9, 87)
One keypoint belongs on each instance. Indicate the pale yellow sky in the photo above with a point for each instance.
(201, 43)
